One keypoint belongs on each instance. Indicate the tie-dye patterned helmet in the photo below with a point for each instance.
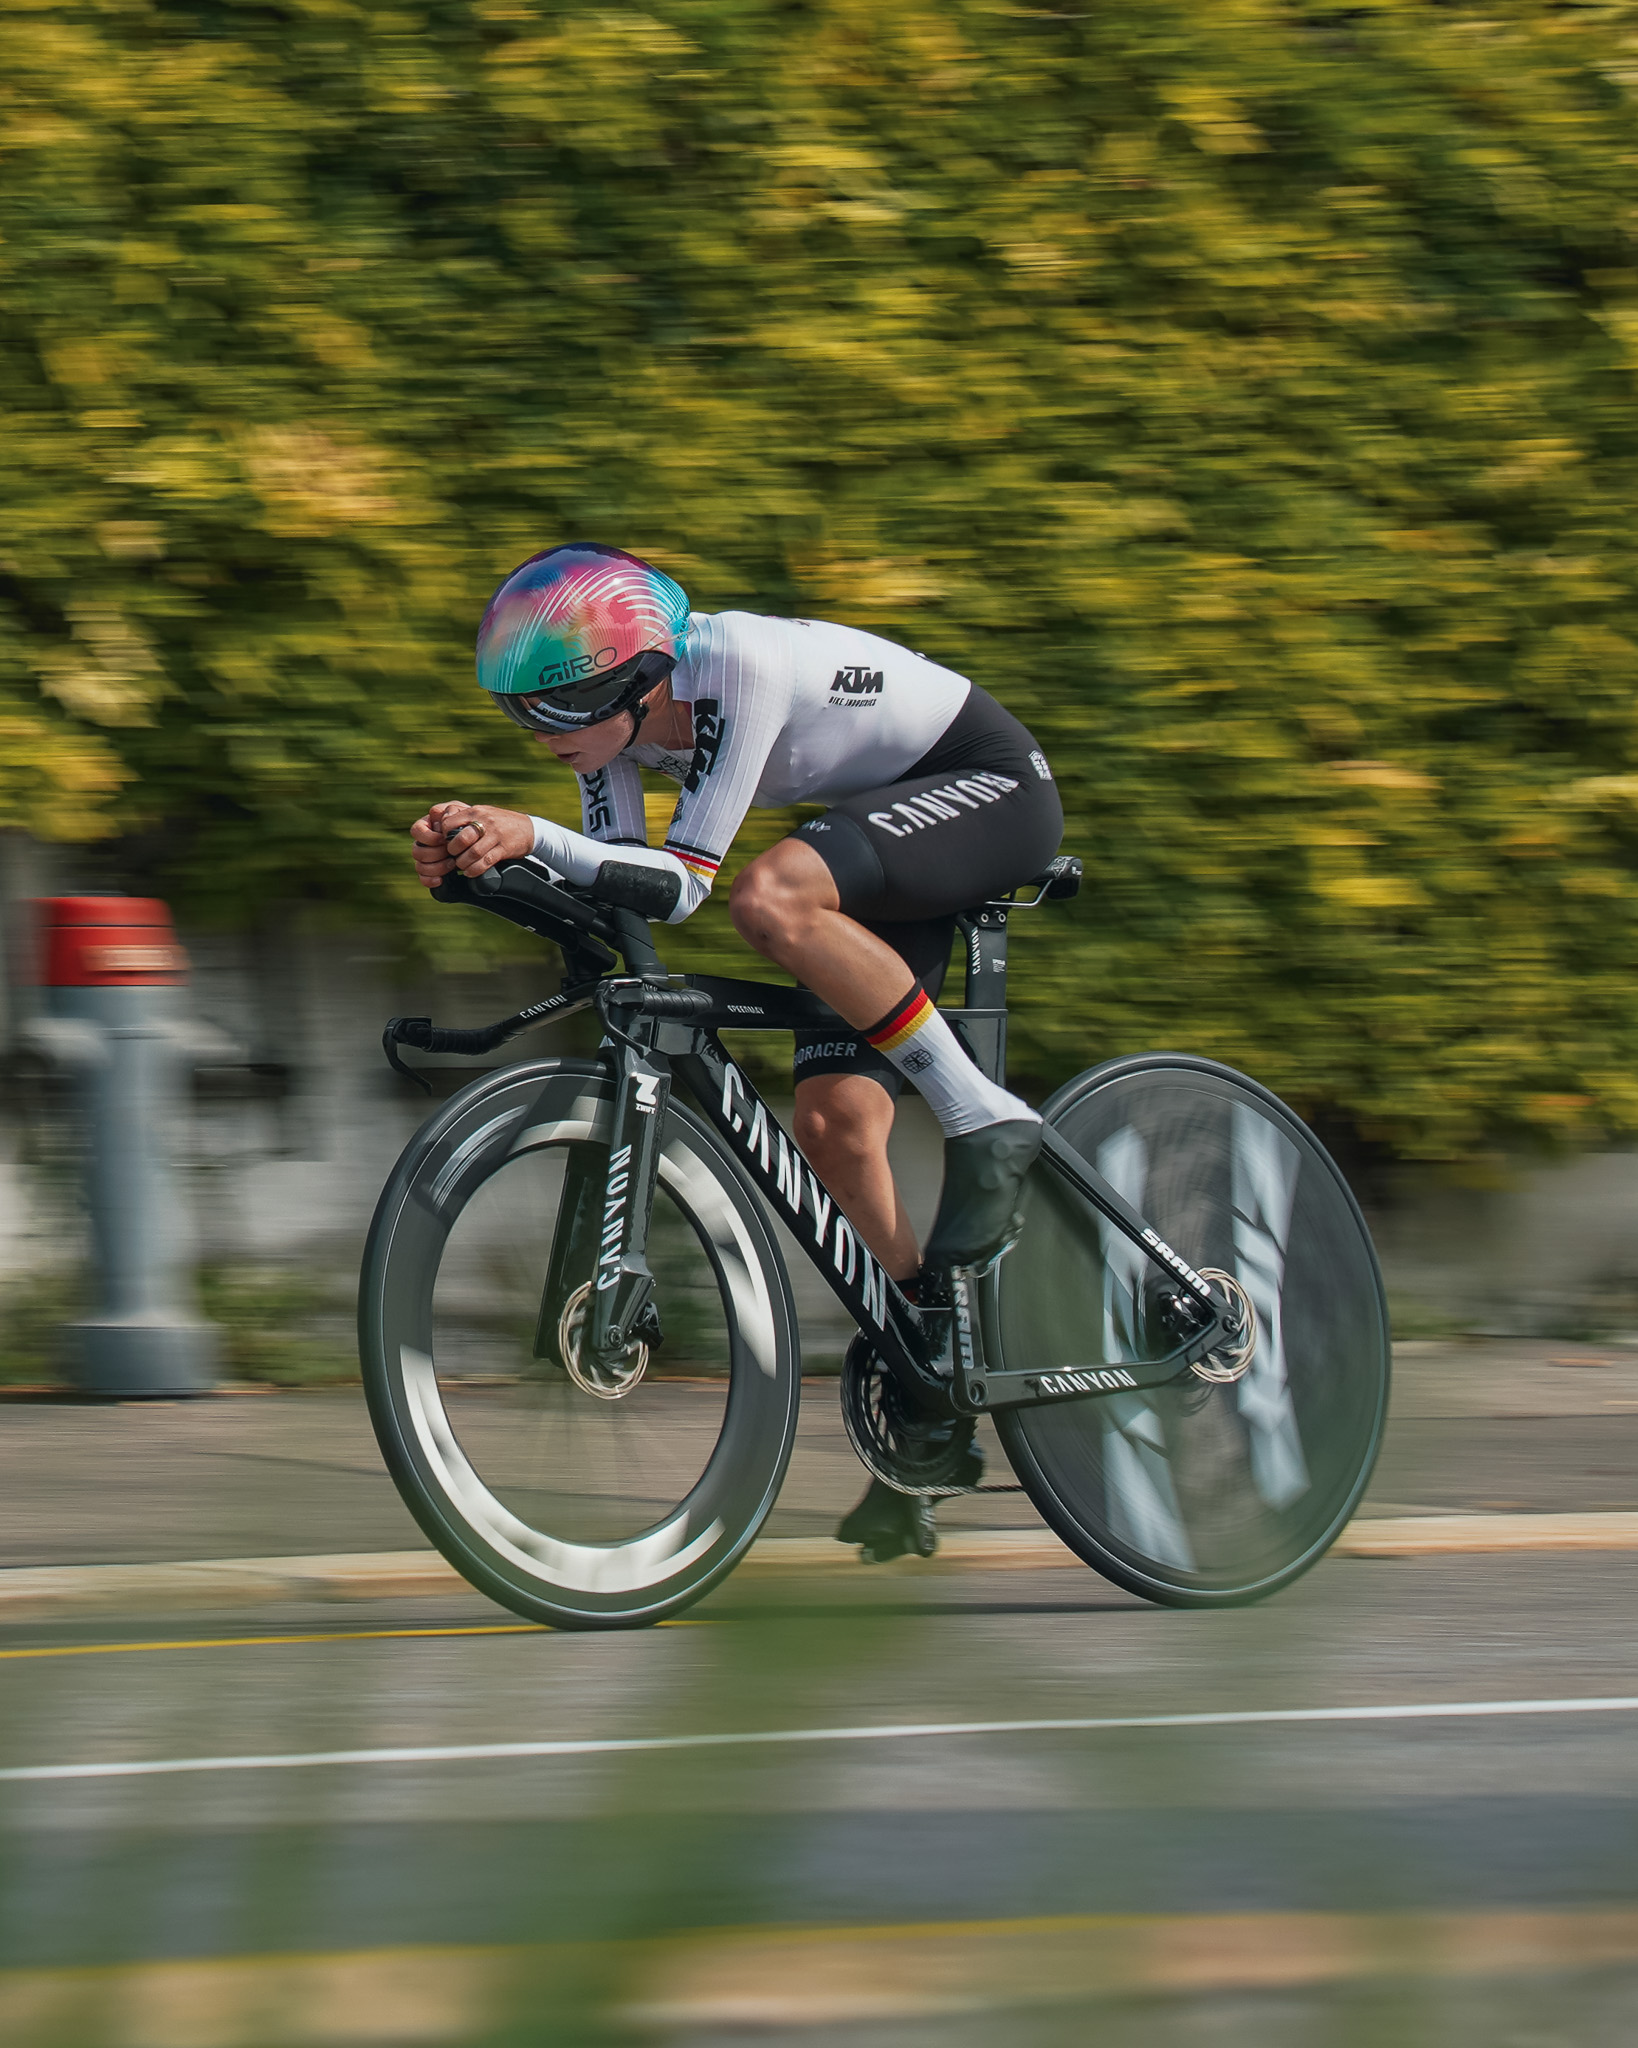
(579, 634)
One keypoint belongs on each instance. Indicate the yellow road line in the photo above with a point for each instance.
(353, 1635)
(339, 1635)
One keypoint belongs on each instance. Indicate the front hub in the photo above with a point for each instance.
(606, 1379)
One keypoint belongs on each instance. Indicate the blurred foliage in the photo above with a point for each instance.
(33, 1349)
(275, 1326)
(1244, 393)
(278, 1326)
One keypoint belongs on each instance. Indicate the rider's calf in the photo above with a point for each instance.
(842, 1123)
(842, 1130)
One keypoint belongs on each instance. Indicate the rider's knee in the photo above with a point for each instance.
(768, 902)
(752, 905)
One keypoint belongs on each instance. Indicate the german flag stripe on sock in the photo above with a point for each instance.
(903, 1023)
(703, 864)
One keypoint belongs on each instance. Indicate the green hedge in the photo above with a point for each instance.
(1244, 393)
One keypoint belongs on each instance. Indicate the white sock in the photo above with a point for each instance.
(926, 1051)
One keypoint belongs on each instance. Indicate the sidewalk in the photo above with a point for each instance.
(290, 1485)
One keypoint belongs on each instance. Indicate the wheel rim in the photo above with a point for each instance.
(595, 1501)
(1215, 1489)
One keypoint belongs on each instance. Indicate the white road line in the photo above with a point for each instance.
(907, 1731)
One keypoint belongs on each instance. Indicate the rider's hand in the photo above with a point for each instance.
(470, 837)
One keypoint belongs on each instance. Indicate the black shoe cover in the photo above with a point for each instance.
(969, 1474)
(980, 1211)
(887, 1524)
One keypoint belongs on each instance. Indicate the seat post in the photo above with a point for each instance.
(981, 1024)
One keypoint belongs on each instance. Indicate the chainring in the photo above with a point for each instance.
(910, 1453)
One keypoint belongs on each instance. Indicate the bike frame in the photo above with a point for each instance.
(662, 1028)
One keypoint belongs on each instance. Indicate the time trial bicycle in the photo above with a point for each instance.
(580, 1347)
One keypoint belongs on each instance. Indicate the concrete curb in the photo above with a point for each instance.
(723, 1983)
(1478, 1535)
(56, 1592)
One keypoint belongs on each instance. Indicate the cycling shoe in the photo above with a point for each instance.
(969, 1471)
(887, 1524)
(980, 1211)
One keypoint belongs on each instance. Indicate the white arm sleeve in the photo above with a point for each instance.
(611, 808)
(577, 859)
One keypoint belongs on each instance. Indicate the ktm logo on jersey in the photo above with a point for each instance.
(709, 727)
(858, 682)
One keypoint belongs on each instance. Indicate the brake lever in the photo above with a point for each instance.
(391, 1041)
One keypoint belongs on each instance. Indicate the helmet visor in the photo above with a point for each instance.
(571, 706)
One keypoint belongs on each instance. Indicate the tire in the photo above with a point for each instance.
(1196, 1495)
(566, 1504)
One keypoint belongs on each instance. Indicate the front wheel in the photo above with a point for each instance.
(1195, 1495)
(584, 1493)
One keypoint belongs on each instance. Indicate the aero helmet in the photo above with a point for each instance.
(578, 634)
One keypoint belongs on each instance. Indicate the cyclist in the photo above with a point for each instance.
(937, 798)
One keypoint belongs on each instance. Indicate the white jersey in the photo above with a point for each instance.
(785, 711)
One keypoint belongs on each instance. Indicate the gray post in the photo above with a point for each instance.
(127, 1045)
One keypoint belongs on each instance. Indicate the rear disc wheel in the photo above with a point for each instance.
(1196, 1494)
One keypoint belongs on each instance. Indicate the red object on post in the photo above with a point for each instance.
(109, 942)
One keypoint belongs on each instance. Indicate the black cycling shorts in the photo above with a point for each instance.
(977, 815)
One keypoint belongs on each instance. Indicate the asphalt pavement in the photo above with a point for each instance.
(1396, 1804)
(1487, 1427)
